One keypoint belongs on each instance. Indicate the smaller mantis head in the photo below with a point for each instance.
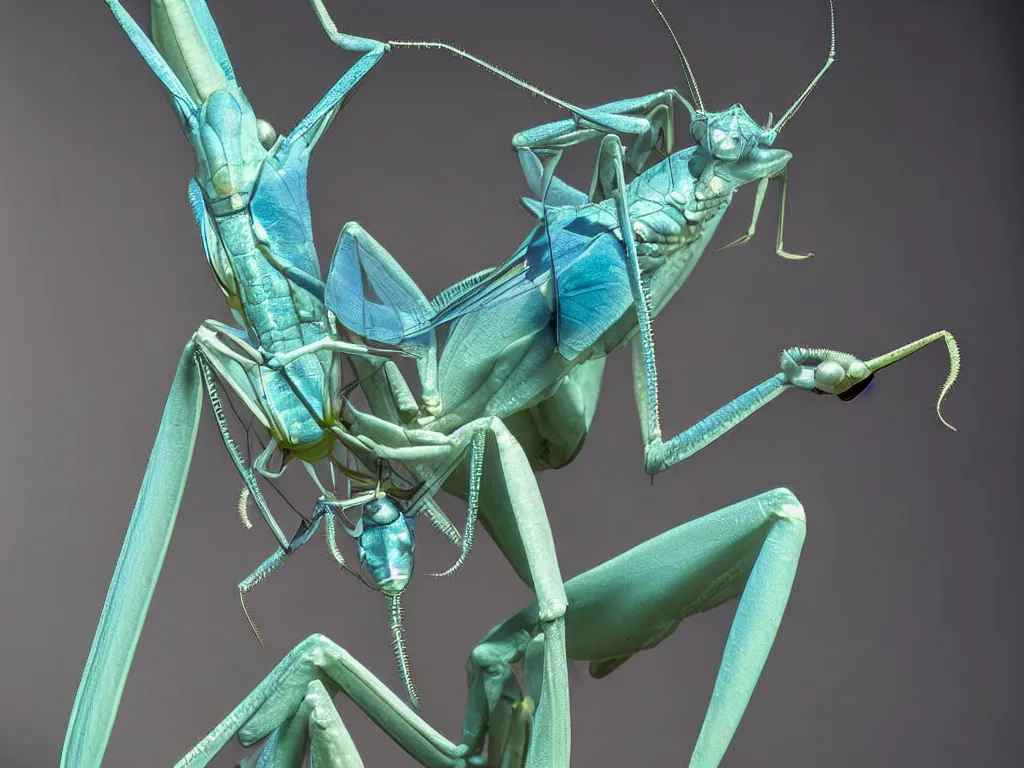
(386, 537)
(230, 142)
(739, 145)
(230, 145)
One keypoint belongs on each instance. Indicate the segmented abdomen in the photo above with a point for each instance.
(280, 321)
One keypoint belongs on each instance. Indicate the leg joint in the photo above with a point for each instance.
(786, 506)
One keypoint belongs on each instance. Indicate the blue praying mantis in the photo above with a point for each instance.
(249, 200)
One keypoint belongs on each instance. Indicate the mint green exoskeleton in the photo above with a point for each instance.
(283, 362)
(527, 347)
(250, 220)
(250, 204)
(249, 199)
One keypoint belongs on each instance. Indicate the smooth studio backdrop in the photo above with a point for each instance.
(900, 646)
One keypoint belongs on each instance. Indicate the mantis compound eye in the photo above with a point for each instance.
(699, 129)
(266, 133)
(387, 545)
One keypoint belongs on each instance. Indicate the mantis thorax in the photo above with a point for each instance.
(231, 145)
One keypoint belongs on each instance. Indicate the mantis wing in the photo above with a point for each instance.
(372, 296)
(280, 206)
(592, 288)
(137, 570)
(578, 261)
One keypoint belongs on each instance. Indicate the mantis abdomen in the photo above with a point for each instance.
(280, 319)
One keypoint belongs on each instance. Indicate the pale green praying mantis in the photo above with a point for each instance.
(495, 407)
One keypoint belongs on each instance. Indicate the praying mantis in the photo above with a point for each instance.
(399, 430)
(249, 200)
(522, 337)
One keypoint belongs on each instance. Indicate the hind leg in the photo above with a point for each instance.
(747, 551)
(636, 600)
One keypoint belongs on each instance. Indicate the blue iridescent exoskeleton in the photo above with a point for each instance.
(283, 361)
(249, 198)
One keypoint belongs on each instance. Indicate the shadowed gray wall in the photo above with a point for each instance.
(901, 644)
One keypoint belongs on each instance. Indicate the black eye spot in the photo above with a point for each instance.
(856, 389)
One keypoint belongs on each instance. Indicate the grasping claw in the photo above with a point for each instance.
(825, 371)
(828, 372)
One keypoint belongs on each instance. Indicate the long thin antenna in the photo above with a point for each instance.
(691, 81)
(333, 33)
(490, 68)
(828, 63)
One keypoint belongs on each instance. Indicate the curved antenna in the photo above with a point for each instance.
(691, 81)
(327, 22)
(828, 63)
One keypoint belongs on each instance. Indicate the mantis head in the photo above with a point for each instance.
(230, 142)
(740, 147)
(387, 541)
(230, 146)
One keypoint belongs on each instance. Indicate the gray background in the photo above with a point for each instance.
(901, 644)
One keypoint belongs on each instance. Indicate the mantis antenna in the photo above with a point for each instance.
(437, 44)
(828, 63)
(327, 22)
(691, 81)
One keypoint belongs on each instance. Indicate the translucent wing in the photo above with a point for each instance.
(280, 206)
(371, 294)
(527, 270)
(592, 288)
(577, 261)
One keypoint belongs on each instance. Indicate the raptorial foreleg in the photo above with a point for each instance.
(138, 567)
(823, 371)
(762, 187)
